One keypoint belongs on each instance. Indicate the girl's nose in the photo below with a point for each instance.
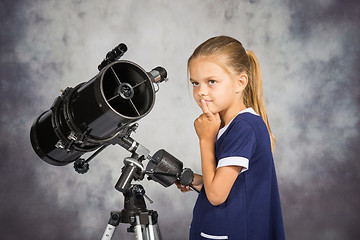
(202, 90)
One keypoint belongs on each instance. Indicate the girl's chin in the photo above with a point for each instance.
(213, 111)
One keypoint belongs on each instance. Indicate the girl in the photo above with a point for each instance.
(239, 197)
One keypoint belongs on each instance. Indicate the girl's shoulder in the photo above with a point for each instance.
(248, 122)
(248, 118)
(244, 121)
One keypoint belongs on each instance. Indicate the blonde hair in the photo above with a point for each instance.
(235, 59)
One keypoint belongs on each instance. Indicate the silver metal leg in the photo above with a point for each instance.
(142, 232)
(109, 231)
(157, 232)
(143, 223)
(138, 229)
(150, 229)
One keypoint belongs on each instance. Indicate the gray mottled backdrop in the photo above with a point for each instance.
(309, 52)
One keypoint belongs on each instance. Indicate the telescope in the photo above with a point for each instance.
(104, 111)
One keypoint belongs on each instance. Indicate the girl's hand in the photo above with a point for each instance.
(182, 187)
(207, 124)
(197, 184)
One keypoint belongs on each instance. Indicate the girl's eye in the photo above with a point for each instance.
(195, 84)
(212, 82)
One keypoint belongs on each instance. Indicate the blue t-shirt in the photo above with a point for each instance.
(252, 210)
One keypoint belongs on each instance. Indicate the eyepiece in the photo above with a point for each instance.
(117, 52)
(159, 74)
(113, 55)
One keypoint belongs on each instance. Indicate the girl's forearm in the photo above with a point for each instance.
(208, 165)
(197, 182)
(217, 182)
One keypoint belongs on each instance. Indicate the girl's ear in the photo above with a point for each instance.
(242, 81)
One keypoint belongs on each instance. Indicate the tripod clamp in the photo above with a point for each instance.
(136, 214)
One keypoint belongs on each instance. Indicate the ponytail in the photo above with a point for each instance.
(253, 94)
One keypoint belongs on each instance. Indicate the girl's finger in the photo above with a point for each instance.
(206, 110)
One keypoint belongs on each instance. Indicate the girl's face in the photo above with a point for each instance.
(212, 83)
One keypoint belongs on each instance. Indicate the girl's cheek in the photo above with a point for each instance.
(195, 94)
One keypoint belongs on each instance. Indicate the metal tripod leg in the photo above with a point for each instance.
(149, 231)
(138, 228)
(144, 222)
(111, 226)
(152, 230)
(109, 231)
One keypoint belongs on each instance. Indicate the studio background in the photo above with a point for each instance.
(309, 54)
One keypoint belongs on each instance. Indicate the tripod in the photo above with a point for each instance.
(162, 168)
(143, 222)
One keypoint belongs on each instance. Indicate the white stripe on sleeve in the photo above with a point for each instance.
(234, 161)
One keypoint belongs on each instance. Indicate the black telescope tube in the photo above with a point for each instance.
(94, 113)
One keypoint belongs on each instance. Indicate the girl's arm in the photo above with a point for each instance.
(217, 182)
(197, 182)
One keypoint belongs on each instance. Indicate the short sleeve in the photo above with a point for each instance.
(236, 146)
